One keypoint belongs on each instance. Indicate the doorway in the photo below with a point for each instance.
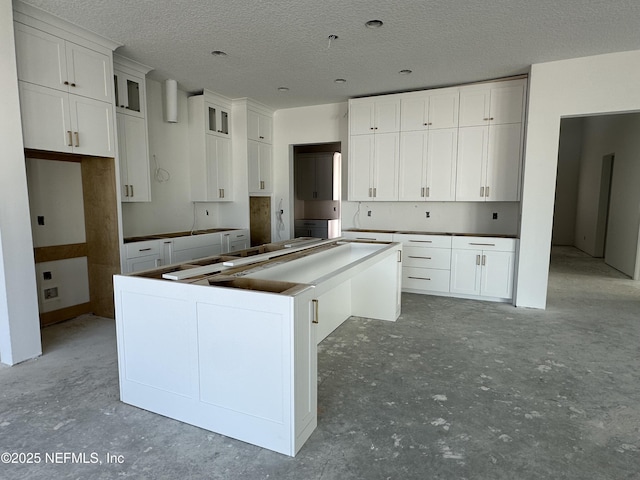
(596, 189)
(317, 187)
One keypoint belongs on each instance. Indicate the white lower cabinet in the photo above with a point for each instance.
(368, 235)
(426, 261)
(196, 246)
(234, 240)
(143, 255)
(483, 267)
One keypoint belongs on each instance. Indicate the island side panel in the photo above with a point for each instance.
(240, 351)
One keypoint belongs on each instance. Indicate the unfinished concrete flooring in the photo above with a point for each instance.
(455, 389)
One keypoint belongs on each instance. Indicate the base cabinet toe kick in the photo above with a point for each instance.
(235, 352)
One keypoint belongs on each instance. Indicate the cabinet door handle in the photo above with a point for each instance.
(65, 82)
(490, 118)
(486, 192)
(420, 278)
(477, 259)
(261, 137)
(482, 191)
(73, 84)
(486, 119)
(421, 241)
(77, 138)
(370, 128)
(484, 259)
(375, 193)
(70, 141)
(222, 193)
(425, 124)
(427, 191)
(316, 313)
(422, 189)
(126, 190)
(261, 184)
(370, 191)
(425, 258)
(483, 244)
(131, 190)
(144, 249)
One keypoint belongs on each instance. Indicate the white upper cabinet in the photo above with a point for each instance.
(217, 120)
(492, 103)
(430, 111)
(210, 159)
(56, 121)
(373, 167)
(130, 93)
(260, 167)
(46, 60)
(428, 165)
(259, 127)
(378, 115)
(131, 118)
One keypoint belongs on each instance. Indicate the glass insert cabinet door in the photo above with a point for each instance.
(128, 92)
(217, 120)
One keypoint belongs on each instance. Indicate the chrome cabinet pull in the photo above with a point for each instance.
(77, 138)
(427, 191)
(419, 278)
(375, 194)
(316, 316)
(425, 258)
(483, 244)
(131, 190)
(477, 259)
(421, 241)
(70, 141)
(144, 249)
(487, 192)
(482, 191)
(370, 190)
(422, 189)
(484, 259)
(65, 82)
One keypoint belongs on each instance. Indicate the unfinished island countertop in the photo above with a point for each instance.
(230, 345)
(160, 236)
(416, 232)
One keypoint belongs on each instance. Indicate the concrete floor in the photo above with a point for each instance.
(455, 389)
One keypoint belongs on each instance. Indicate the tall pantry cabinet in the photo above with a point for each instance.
(131, 121)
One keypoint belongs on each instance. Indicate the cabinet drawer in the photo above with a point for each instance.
(426, 257)
(417, 240)
(142, 249)
(371, 236)
(485, 243)
(238, 235)
(427, 279)
(196, 241)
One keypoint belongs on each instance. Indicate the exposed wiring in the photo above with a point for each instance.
(279, 221)
(160, 174)
(356, 217)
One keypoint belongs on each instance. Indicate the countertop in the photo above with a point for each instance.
(414, 232)
(159, 236)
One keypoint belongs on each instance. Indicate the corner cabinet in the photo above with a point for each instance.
(131, 120)
(65, 91)
(210, 160)
(259, 149)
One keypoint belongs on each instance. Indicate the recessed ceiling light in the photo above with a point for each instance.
(374, 24)
(406, 71)
(283, 89)
(340, 80)
(218, 53)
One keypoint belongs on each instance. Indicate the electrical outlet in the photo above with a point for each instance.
(207, 212)
(46, 275)
(40, 219)
(368, 213)
(495, 215)
(50, 293)
(427, 214)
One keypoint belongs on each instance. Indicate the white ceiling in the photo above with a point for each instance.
(285, 42)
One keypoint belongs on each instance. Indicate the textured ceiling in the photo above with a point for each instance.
(285, 42)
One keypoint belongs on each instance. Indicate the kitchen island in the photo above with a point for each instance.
(229, 343)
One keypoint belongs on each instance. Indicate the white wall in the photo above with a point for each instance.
(170, 209)
(591, 85)
(569, 151)
(298, 126)
(466, 217)
(19, 321)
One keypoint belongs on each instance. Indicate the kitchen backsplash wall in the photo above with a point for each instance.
(465, 217)
(170, 209)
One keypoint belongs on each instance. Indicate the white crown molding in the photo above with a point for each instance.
(124, 64)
